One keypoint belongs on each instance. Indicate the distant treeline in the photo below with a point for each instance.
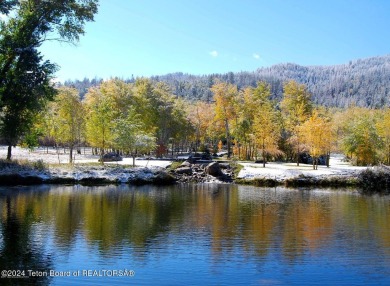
(363, 82)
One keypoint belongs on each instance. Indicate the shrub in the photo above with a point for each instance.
(39, 165)
(374, 181)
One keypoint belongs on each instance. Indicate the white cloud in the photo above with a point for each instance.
(256, 56)
(214, 54)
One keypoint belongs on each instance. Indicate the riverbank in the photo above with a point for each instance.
(37, 173)
(339, 173)
(43, 166)
(46, 166)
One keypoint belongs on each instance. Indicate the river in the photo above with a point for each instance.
(193, 235)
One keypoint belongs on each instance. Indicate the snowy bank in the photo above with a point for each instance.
(47, 166)
(51, 166)
(339, 173)
(85, 175)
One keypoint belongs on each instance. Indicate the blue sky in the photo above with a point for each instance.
(154, 37)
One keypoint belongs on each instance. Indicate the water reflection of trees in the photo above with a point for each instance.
(289, 223)
(21, 245)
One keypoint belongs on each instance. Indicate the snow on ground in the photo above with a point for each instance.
(142, 162)
(51, 156)
(81, 171)
(281, 171)
(273, 170)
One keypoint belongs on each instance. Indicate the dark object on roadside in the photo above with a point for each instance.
(196, 157)
(110, 157)
(204, 162)
(305, 158)
(260, 162)
(193, 159)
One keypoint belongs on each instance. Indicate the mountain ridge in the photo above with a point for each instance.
(363, 82)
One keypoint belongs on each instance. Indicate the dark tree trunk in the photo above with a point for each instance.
(314, 163)
(9, 152)
(327, 159)
(263, 155)
(227, 137)
(101, 156)
(70, 154)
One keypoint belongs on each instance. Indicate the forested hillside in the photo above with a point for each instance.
(363, 82)
(146, 117)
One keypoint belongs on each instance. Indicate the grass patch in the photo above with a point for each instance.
(23, 165)
(175, 165)
(322, 182)
(259, 182)
(236, 168)
(301, 181)
(39, 165)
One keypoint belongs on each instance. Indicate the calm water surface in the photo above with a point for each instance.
(194, 234)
